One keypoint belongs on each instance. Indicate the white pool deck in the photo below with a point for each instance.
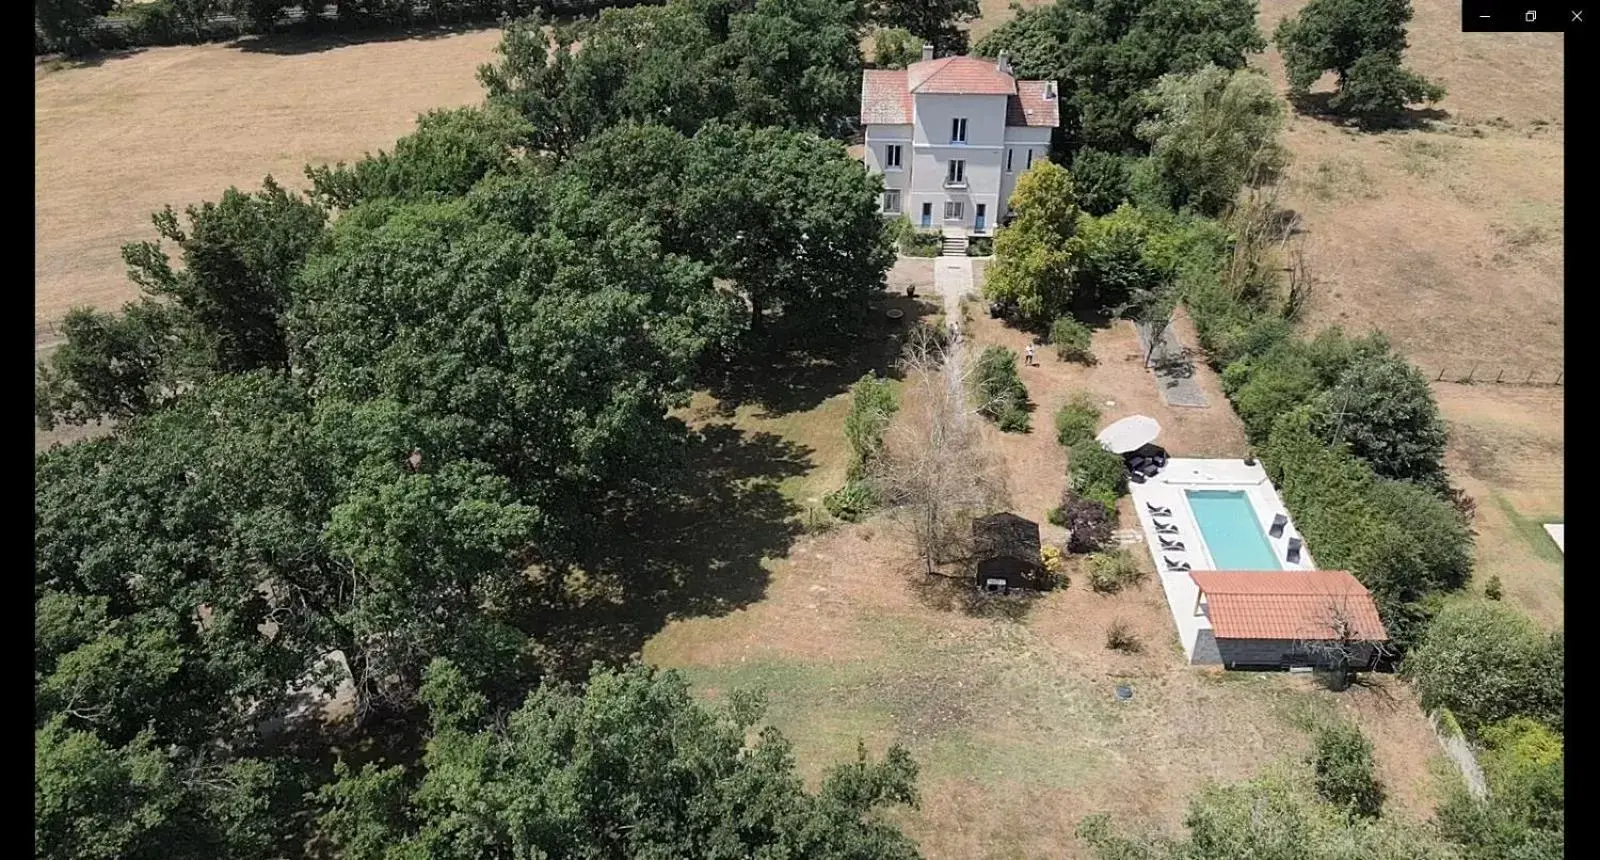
(1167, 490)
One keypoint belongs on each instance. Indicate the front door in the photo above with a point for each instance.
(978, 223)
(927, 214)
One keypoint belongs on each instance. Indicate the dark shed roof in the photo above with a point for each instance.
(1005, 536)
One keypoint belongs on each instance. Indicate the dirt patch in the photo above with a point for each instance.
(116, 141)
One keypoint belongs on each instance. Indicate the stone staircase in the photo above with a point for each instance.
(953, 246)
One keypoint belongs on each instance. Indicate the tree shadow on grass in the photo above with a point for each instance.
(1316, 106)
(61, 63)
(695, 548)
(299, 41)
(801, 373)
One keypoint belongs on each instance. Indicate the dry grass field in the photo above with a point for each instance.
(117, 139)
(1008, 707)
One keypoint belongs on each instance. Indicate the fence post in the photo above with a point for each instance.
(1560, 374)
(1472, 371)
(1440, 377)
(1529, 380)
(1499, 376)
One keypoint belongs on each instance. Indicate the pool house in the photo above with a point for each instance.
(1242, 586)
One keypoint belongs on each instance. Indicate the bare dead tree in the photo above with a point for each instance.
(1335, 642)
(935, 474)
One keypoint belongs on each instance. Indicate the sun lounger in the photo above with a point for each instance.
(1170, 543)
(1136, 477)
(1157, 510)
(1293, 556)
(1278, 522)
(1176, 566)
(1150, 470)
(1166, 528)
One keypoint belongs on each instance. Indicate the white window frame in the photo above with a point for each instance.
(953, 210)
(1009, 153)
(892, 157)
(958, 129)
(955, 173)
(894, 195)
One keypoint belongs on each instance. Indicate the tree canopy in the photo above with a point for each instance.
(1033, 264)
(936, 22)
(1362, 43)
(1106, 53)
(791, 64)
(1211, 133)
(631, 766)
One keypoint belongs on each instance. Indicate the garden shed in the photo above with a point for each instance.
(1006, 548)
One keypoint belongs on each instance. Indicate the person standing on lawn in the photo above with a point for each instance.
(1029, 356)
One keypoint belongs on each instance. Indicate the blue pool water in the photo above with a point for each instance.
(1228, 522)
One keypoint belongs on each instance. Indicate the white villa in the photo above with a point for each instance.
(951, 135)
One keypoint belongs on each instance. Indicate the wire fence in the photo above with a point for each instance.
(1491, 373)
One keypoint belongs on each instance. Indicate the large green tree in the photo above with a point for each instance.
(447, 154)
(935, 22)
(1486, 662)
(220, 312)
(788, 63)
(1034, 254)
(788, 219)
(1360, 41)
(1211, 133)
(1106, 53)
(631, 766)
(66, 25)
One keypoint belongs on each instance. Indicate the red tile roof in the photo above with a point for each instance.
(966, 76)
(1032, 107)
(1288, 605)
(885, 97)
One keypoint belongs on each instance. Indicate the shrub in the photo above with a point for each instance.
(980, 246)
(872, 405)
(1055, 564)
(1076, 420)
(1106, 497)
(1001, 395)
(1088, 523)
(1071, 340)
(1383, 408)
(1442, 544)
(1492, 589)
(1266, 387)
(919, 243)
(1112, 571)
(1091, 467)
(851, 502)
(1120, 637)
(1344, 773)
(1487, 662)
(895, 48)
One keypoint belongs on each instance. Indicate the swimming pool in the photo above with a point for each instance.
(1228, 523)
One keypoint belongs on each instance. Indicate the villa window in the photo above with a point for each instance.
(891, 201)
(956, 174)
(891, 156)
(1030, 160)
(1009, 154)
(958, 130)
(952, 210)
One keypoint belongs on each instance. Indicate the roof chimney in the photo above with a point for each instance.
(1003, 64)
(1049, 90)
(927, 53)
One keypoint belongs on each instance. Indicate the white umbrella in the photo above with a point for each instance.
(1129, 434)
